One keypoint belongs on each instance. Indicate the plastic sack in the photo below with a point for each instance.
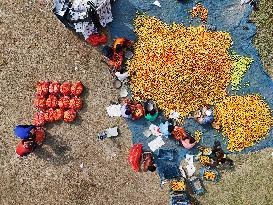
(58, 114)
(54, 88)
(69, 115)
(42, 88)
(40, 135)
(77, 88)
(40, 102)
(49, 115)
(52, 101)
(65, 88)
(75, 103)
(39, 119)
(134, 157)
(64, 102)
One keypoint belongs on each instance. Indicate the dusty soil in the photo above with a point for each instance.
(35, 46)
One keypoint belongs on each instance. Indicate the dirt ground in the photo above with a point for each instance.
(35, 46)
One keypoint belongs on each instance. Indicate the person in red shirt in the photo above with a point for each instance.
(25, 147)
(137, 111)
(31, 137)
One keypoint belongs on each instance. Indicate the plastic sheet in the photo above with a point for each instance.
(224, 15)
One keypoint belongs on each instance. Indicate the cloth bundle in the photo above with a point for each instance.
(84, 16)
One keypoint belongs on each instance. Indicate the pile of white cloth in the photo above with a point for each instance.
(79, 14)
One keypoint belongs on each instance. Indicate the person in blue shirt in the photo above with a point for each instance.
(30, 136)
(24, 131)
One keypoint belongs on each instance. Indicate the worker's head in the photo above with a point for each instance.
(152, 168)
(31, 136)
(192, 140)
(128, 112)
(119, 48)
(152, 112)
(170, 128)
(217, 144)
(150, 106)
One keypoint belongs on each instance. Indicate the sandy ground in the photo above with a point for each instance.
(35, 46)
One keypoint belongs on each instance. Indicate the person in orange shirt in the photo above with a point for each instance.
(116, 53)
(123, 43)
(184, 137)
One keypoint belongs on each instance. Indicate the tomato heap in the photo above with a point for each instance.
(57, 101)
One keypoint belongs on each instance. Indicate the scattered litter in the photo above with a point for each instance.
(156, 143)
(123, 92)
(81, 165)
(164, 128)
(108, 133)
(211, 28)
(112, 132)
(114, 110)
(174, 115)
(117, 84)
(122, 76)
(155, 130)
(102, 135)
(147, 133)
(157, 3)
(125, 111)
(245, 1)
(190, 166)
(196, 185)
(182, 171)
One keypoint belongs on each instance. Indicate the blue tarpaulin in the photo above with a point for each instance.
(226, 15)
